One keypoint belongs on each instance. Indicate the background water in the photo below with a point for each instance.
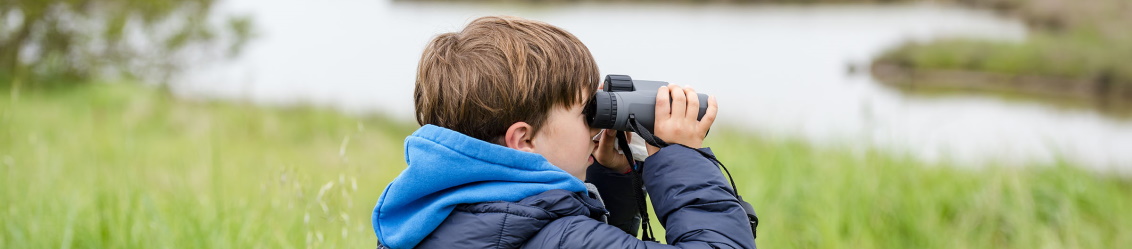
(777, 69)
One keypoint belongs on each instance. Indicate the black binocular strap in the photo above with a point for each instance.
(752, 218)
(638, 188)
(645, 133)
(653, 140)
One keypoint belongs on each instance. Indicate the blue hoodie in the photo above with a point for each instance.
(447, 168)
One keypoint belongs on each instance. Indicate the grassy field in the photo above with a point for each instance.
(123, 166)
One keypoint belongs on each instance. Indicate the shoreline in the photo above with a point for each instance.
(1103, 96)
(1078, 51)
(1054, 86)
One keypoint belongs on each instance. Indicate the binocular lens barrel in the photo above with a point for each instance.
(622, 97)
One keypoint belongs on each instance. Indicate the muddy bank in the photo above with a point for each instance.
(1099, 93)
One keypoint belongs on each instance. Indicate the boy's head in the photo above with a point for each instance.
(514, 82)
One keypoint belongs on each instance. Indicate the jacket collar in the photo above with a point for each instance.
(446, 169)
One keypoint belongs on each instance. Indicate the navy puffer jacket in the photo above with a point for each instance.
(689, 194)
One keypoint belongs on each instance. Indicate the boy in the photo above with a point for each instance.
(504, 147)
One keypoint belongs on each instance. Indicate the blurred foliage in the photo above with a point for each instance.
(124, 166)
(1084, 41)
(1061, 56)
(47, 43)
(1105, 18)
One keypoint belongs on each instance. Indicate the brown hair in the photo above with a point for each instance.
(500, 70)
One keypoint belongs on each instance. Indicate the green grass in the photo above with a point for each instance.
(122, 166)
(119, 166)
(833, 197)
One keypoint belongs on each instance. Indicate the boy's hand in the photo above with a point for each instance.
(677, 124)
(606, 154)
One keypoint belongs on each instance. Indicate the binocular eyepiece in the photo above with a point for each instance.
(622, 98)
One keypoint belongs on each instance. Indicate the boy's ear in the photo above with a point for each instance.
(519, 137)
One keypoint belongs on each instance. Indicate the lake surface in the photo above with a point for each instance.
(776, 69)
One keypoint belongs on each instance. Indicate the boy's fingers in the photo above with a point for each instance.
(662, 108)
(605, 142)
(709, 116)
(693, 102)
(679, 101)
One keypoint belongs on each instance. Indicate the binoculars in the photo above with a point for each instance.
(623, 98)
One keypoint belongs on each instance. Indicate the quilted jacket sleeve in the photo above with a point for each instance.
(691, 198)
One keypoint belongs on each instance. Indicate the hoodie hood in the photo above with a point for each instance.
(446, 168)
